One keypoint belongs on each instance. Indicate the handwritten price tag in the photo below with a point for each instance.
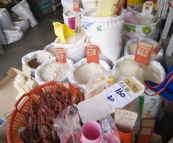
(60, 55)
(124, 119)
(143, 53)
(92, 54)
(148, 7)
(76, 6)
(72, 22)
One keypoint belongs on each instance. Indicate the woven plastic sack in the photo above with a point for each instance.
(68, 4)
(149, 105)
(73, 14)
(23, 24)
(71, 76)
(75, 52)
(5, 19)
(152, 30)
(13, 35)
(30, 56)
(89, 4)
(131, 57)
(159, 56)
(3, 40)
(23, 11)
(52, 60)
(104, 32)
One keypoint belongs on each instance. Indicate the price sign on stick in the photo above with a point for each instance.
(143, 53)
(158, 47)
(92, 53)
(76, 6)
(60, 55)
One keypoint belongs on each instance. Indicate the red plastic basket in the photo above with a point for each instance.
(16, 119)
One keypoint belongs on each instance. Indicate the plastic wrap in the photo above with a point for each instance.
(67, 126)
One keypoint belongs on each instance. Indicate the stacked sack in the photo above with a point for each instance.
(14, 26)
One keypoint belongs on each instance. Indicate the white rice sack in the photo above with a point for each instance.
(75, 47)
(89, 4)
(5, 19)
(68, 4)
(130, 48)
(146, 29)
(105, 32)
(13, 35)
(53, 71)
(23, 24)
(31, 56)
(81, 72)
(23, 11)
(73, 14)
(127, 68)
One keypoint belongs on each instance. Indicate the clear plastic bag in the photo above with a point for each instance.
(67, 126)
(99, 82)
(109, 130)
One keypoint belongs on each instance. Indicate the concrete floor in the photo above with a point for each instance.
(35, 38)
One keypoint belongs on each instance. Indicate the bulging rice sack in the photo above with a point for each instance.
(30, 60)
(130, 48)
(105, 32)
(53, 71)
(81, 72)
(14, 34)
(146, 29)
(23, 11)
(22, 23)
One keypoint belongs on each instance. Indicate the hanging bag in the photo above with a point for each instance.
(165, 88)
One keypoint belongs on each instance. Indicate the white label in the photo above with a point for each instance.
(116, 96)
(148, 7)
(42, 56)
(146, 131)
(26, 71)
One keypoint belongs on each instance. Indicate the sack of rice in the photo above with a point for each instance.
(68, 4)
(53, 71)
(146, 28)
(89, 4)
(105, 32)
(74, 47)
(30, 60)
(82, 71)
(73, 20)
(127, 67)
(131, 45)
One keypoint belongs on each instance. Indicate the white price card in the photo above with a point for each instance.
(42, 56)
(147, 7)
(26, 71)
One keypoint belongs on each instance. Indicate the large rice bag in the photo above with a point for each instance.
(23, 11)
(30, 56)
(71, 76)
(68, 4)
(151, 30)
(14, 34)
(104, 32)
(5, 19)
(55, 71)
(158, 57)
(75, 51)
(22, 23)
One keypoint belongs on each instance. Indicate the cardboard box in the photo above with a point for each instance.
(8, 94)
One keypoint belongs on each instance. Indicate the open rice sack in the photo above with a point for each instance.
(82, 71)
(105, 32)
(89, 4)
(73, 20)
(30, 60)
(127, 67)
(53, 71)
(146, 28)
(131, 45)
(68, 4)
(74, 47)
